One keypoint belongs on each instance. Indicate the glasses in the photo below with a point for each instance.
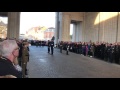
(17, 48)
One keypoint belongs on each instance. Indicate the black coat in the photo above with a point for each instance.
(7, 68)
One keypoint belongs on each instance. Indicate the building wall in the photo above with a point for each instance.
(101, 26)
(48, 35)
(90, 30)
(65, 20)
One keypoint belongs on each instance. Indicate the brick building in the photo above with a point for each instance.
(49, 33)
(40, 33)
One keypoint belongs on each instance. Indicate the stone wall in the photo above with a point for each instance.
(65, 20)
(102, 26)
(90, 30)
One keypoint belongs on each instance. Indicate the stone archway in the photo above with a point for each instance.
(63, 21)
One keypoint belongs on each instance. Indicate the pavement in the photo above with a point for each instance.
(59, 65)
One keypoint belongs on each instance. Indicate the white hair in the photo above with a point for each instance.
(7, 47)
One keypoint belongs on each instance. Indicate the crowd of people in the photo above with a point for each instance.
(38, 43)
(102, 50)
(14, 55)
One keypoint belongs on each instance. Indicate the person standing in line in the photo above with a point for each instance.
(52, 46)
(67, 48)
(48, 46)
(61, 46)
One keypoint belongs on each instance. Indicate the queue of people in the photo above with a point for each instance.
(102, 50)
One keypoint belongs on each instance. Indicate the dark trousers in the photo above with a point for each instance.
(117, 58)
(111, 57)
(51, 50)
(60, 49)
(48, 49)
(80, 51)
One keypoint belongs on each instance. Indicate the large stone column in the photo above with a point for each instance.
(77, 32)
(65, 28)
(13, 25)
(118, 31)
(74, 33)
(60, 26)
(56, 27)
(80, 27)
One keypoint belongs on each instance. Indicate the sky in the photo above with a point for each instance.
(32, 19)
(4, 19)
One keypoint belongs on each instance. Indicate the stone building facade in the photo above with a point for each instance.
(95, 26)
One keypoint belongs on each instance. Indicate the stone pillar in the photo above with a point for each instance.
(118, 36)
(65, 27)
(56, 27)
(60, 26)
(65, 20)
(80, 26)
(13, 25)
(74, 33)
(78, 32)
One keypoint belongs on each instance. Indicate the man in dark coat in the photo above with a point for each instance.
(52, 46)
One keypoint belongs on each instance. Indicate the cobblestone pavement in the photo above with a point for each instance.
(60, 65)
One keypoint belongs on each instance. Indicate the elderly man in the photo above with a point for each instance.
(9, 52)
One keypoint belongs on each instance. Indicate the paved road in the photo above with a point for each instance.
(60, 65)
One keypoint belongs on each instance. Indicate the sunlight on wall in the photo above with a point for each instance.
(104, 16)
(71, 29)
